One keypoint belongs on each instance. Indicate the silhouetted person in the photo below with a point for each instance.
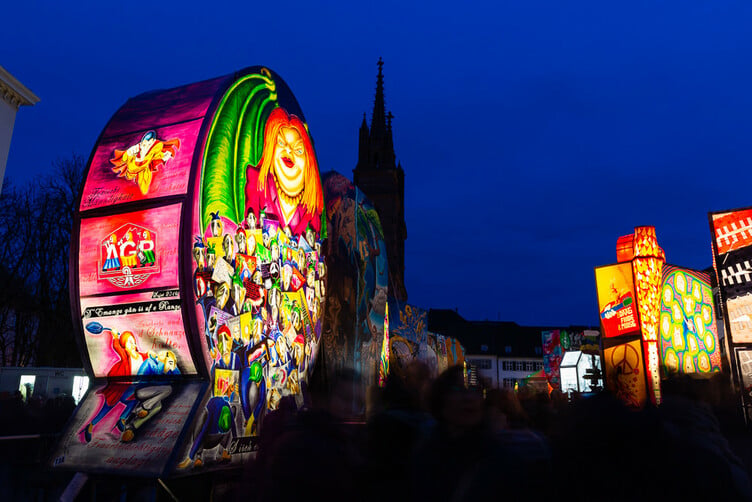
(460, 460)
(700, 451)
(311, 453)
(394, 431)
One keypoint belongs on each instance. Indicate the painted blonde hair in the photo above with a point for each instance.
(313, 195)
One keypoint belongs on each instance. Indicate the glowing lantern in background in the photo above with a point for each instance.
(615, 283)
(647, 268)
(384, 367)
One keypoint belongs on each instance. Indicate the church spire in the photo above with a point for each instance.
(378, 118)
(383, 182)
(380, 146)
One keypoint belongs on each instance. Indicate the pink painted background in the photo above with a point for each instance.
(104, 187)
(163, 107)
(164, 221)
(154, 331)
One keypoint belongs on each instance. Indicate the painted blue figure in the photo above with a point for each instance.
(150, 396)
(253, 388)
(215, 426)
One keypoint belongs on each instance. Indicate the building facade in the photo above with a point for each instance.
(504, 353)
(14, 95)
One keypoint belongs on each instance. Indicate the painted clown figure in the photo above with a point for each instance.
(285, 184)
(141, 160)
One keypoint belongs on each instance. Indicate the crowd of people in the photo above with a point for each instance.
(37, 415)
(442, 440)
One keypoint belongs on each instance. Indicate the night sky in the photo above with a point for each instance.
(532, 134)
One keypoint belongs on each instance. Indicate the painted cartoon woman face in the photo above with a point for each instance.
(289, 161)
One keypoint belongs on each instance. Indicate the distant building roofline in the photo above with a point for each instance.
(14, 91)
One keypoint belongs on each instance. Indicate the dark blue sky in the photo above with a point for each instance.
(533, 134)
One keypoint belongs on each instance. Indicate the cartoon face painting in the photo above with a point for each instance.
(289, 161)
(285, 183)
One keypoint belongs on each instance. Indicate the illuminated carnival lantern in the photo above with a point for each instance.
(732, 238)
(628, 299)
(197, 275)
(658, 320)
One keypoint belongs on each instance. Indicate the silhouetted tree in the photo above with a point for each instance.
(35, 229)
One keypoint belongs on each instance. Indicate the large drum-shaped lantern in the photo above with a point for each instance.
(196, 248)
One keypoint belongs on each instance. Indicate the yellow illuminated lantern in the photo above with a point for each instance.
(634, 329)
(647, 268)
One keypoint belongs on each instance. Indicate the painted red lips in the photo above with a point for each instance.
(288, 161)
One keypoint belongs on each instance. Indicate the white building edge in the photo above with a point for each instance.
(14, 95)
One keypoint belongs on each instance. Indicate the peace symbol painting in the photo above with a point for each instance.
(625, 373)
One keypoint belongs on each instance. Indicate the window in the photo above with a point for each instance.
(481, 364)
(538, 366)
(80, 384)
(519, 366)
(529, 366)
(509, 383)
(26, 386)
(507, 365)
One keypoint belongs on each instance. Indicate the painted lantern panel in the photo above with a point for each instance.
(616, 300)
(357, 281)
(733, 236)
(689, 335)
(124, 333)
(146, 151)
(129, 251)
(258, 272)
(625, 373)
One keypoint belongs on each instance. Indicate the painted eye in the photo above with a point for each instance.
(280, 142)
(299, 151)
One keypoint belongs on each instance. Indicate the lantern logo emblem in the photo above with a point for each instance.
(128, 256)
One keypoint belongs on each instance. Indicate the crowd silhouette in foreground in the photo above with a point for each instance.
(441, 440)
(37, 415)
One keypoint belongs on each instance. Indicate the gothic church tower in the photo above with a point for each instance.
(383, 183)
